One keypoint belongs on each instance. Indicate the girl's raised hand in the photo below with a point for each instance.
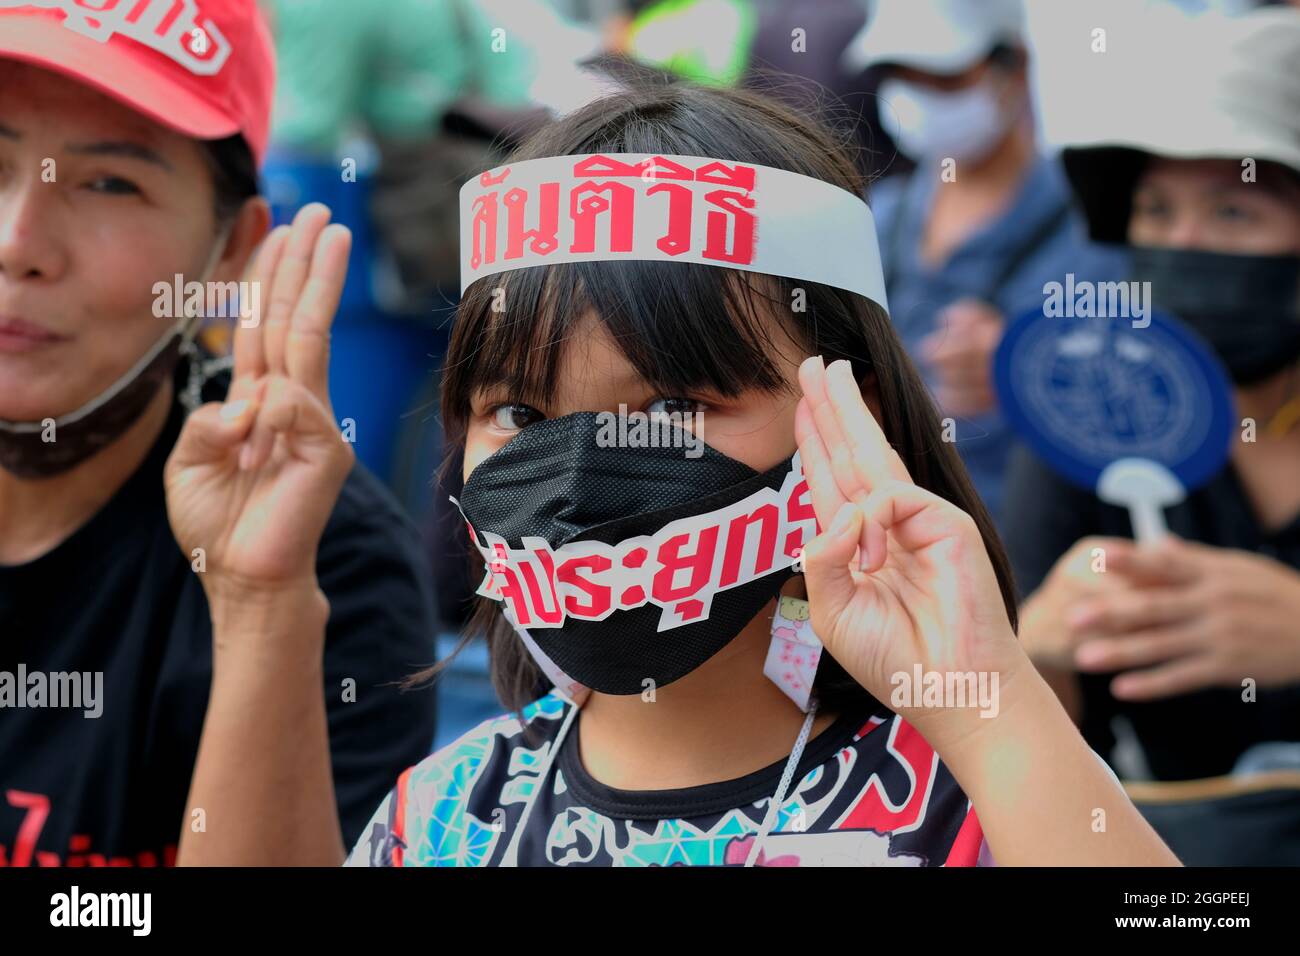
(252, 482)
(898, 576)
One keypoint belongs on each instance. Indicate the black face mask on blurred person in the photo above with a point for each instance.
(1246, 307)
(554, 481)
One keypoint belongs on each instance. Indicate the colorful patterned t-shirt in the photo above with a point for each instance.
(868, 791)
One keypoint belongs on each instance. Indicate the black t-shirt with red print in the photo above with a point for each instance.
(117, 604)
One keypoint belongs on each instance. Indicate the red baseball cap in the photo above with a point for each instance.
(205, 68)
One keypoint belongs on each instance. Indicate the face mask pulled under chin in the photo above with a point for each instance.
(36, 450)
(630, 565)
(1246, 307)
(965, 125)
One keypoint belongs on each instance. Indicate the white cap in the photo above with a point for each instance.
(1223, 88)
(937, 36)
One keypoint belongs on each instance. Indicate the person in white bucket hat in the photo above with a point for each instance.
(1200, 176)
(937, 36)
(972, 234)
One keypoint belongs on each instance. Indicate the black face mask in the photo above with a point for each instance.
(553, 481)
(1246, 307)
(24, 450)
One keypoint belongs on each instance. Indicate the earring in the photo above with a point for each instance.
(200, 373)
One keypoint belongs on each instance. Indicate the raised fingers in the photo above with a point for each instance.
(250, 362)
(873, 456)
(290, 276)
(826, 495)
(838, 458)
(859, 455)
(307, 345)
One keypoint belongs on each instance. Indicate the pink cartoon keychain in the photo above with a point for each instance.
(795, 651)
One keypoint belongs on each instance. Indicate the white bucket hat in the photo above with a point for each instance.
(937, 36)
(1219, 88)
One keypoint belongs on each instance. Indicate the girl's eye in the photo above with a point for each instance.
(674, 406)
(114, 186)
(513, 417)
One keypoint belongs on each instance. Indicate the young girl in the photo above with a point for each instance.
(690, 721)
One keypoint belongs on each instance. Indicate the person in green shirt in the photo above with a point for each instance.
(394, 67)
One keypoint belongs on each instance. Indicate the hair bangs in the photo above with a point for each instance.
(685, 328)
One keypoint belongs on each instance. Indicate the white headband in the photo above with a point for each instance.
(604, 208)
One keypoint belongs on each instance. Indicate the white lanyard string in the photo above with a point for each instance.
(778, 798)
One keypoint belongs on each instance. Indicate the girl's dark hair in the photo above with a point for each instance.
(234, 174)
(687, 328)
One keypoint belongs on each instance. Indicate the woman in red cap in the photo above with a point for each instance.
(129, 142)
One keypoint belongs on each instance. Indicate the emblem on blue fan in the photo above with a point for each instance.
(1085, 393)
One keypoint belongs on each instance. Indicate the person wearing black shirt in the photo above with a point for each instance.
(127, 163)
(1189, 648)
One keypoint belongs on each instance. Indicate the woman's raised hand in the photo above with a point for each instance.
(252, 482)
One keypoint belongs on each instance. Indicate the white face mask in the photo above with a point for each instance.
(964, 125)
